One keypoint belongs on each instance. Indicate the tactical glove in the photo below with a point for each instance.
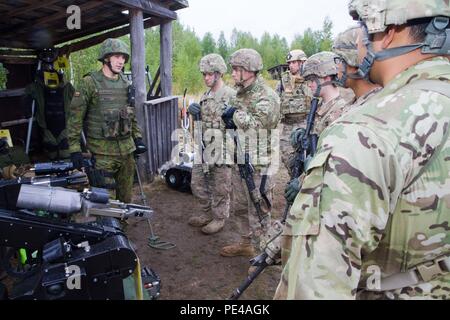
(77, 160)
(296, 136)
(195, 110)
(227, 117)
(292, 189)
(140, 146)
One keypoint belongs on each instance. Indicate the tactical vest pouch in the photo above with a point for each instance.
(126, 114)
(117, 123)
(111, 123)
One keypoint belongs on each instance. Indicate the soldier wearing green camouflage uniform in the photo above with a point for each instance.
(102, 106)
(371, 220)
(345, 46)
(211, 181)
(257, 107)
(295, 102)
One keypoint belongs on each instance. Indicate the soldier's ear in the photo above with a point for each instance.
(391, 34)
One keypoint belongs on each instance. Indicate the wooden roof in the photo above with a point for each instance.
(27, 24)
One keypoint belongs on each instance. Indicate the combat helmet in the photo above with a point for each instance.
(296, 55)
(345, 46)
(212, 63)
(321, 64)
(113, 46)
(249, 59)
(376, 16)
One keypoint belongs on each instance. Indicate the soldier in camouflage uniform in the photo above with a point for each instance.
(371, 220)
(257, 107)
(345, 46)
(102, 106)
(295, 102)
(211, 181)
(321, 72)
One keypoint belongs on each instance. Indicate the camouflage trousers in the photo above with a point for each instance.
(238, 197)
(249, 226)
(122, 169)
(286, 149)
(213, 190)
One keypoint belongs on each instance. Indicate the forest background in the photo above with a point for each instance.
(188, 48)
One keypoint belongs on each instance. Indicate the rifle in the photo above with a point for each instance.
(246, 171)
(271, 242)
(281, 81)
(57, 167)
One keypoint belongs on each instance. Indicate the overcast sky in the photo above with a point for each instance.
(284, 17)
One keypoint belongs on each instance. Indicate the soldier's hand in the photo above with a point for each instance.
(195, 110)
(296, 136)
(292, 190)
(227, 117)
(77, 160)
(140, 146)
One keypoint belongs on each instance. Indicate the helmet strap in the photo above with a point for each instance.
(108, 64)
(371, 56)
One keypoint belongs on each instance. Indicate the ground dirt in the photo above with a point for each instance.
(194, 270)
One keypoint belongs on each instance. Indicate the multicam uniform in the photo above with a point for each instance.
(258, 107)
(295, 105)
(102, 105)
(384, 205)
(328, 112)
(213, 188)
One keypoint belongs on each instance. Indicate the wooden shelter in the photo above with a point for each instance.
(30, 24)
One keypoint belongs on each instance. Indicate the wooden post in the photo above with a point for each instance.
(138, 74)
(166, 53)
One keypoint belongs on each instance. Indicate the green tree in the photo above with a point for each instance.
(187, 51)
(208, 44)
(222, 46)
(326, 35)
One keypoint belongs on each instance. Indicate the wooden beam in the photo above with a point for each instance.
(92, 30)
(86, 43)
(137, 37)
(63, 12)
(47, 19)
(17, 60)
(166, 53)
(10, 52)
(30, 7)
(150, 7)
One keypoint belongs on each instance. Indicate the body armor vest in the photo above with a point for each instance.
(110, 116)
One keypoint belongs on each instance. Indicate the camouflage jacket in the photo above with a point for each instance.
(83, 100)
(329, 112)
(258, 107)
(213, 105)
(375, 201)
(295, 96)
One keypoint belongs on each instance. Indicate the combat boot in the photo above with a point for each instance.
(214, 226)
(238, 249)
(199, 221)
